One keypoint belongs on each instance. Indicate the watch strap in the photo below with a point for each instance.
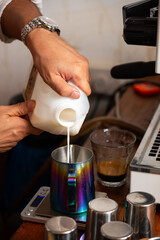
(37, 23)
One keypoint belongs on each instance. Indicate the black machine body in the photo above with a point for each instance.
(140, 22)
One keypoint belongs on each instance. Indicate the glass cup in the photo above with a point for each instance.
(112, 148)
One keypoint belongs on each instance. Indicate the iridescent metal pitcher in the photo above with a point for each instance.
(72, 183)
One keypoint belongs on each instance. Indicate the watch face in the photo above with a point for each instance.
(49, 21)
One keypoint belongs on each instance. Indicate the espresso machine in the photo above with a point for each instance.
(141, 22)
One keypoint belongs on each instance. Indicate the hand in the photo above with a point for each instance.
(13, 125)
(55, 59)
(58, 62)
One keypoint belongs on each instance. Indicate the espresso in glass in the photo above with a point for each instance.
(112, 151)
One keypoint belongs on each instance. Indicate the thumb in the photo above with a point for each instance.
(23, 108)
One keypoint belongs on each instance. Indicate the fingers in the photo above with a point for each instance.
(13, 127)
(23, 126)
(82, 78)
(34, 131)
(22, 129)
(57, 63)
(21, 109)
(11, 140)
(5, 148)
(63, 88)
(76, 72)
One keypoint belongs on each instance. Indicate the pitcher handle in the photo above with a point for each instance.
(72, 190)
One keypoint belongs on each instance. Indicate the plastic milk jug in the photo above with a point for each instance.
(54, 113)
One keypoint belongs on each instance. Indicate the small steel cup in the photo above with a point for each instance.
(100, 211)
(61, 228)
(140, 214)
(116, 231)
(155, 238)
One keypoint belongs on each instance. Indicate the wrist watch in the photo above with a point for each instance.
(39, 22)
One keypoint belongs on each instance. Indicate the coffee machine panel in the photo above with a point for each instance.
(145, 166)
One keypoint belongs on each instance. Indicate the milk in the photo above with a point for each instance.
(68, 146)
(67, 118)
(54, 113)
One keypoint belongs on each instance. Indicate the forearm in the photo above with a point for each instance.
(15, 16)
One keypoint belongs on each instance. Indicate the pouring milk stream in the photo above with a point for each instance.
(67, 119)
(53, 113)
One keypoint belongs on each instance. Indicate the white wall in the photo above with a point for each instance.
(93, 27)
